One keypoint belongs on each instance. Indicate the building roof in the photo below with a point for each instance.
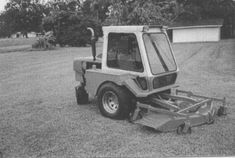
(196, 24)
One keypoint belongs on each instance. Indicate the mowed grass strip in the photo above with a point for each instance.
(16, 44)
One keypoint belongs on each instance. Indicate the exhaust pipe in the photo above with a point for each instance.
(93, 47)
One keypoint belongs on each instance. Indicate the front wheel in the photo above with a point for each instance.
(114, 101)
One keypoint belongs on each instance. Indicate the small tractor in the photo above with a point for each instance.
(135, 77)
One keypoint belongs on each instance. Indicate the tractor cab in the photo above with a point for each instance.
(142, 51)
(138, 50)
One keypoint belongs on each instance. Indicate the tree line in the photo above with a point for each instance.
(68, 19)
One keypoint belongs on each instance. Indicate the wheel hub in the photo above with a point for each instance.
(110, 102)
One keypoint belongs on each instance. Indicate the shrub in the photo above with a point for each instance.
(45, 42)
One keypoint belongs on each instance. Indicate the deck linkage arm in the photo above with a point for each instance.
(190, 94)
(195, 105)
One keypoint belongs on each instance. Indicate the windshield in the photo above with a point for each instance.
(159, 53)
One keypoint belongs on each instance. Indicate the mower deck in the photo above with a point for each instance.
(167, 112)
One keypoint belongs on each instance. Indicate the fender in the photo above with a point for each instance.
(120, 79)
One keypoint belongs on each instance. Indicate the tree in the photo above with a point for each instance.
(23, 15)
(96, 8)
(69, 23)
(139, 12)
(201, 9)
(5, 30)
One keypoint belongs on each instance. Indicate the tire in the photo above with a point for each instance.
(114, 102)
(81, 95)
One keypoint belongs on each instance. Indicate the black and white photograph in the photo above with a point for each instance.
(117, 78)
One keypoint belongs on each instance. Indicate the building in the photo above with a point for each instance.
(196, 31)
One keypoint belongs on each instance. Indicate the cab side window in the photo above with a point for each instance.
(123, 52)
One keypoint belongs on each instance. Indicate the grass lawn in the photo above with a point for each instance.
(39, 116)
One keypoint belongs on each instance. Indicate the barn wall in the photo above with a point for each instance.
(196, 34)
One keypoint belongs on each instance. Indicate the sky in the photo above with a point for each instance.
(2, 4)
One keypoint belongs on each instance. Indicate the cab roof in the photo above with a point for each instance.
(133, 28)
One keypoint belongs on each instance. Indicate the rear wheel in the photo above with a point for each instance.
(81, 95)
(114, 101)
